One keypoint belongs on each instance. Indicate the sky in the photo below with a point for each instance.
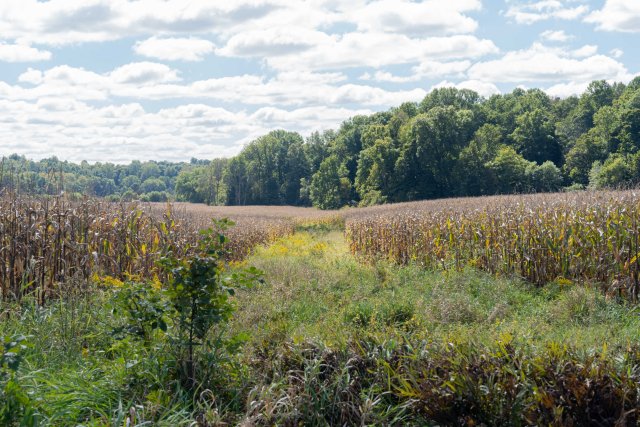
(122, 80)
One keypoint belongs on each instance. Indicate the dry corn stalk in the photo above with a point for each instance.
(585, 236)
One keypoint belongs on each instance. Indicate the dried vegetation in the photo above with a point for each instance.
(578, 237)
(50, 242)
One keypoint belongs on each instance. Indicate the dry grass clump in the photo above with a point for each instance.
(454, 309)
(581, 305)
(585, 236)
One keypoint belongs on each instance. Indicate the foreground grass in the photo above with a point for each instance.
(315, 290)
(331, 340)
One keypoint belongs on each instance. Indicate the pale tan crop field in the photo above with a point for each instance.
(572, 237)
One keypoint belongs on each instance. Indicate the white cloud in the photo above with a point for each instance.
(616, 53)
(369, 95)
(430, 17)
(59, 22)
(544, 64)
(385, 76)
(60, 104)
(274, 42)
(51, 113)
(144, 73)
(22, 53)
(276, 29)
(555, 36)
(427, 69)
(355, 50)
(564, 90)
(311, 78)
(617, 15)
(530, 12)
(66, 81)
(76, 131)
(31, 76)
(61, 81)
(317, 118)
(585, 51)
(433, 69)
(151, 81)
(200, 114)
(174, 49)
(485, 89)
(288, 89)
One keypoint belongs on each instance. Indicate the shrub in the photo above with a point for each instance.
(194, 300)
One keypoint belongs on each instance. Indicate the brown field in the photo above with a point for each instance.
(586, 236)
(49, 243)
(238, 213)
(254, 225)
(582, 236)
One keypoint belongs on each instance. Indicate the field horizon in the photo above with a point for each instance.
(452, 311)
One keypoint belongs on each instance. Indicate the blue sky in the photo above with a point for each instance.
(118, 80)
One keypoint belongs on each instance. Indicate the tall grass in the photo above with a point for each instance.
(409, 383)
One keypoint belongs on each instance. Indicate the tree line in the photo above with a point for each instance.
(147, 181)
(452, 143)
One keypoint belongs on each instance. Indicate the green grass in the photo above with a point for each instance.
(315, 290)
(76, 373)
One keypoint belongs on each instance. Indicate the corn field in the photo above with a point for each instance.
(577, 237)
(47, 243)
(253, 225)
